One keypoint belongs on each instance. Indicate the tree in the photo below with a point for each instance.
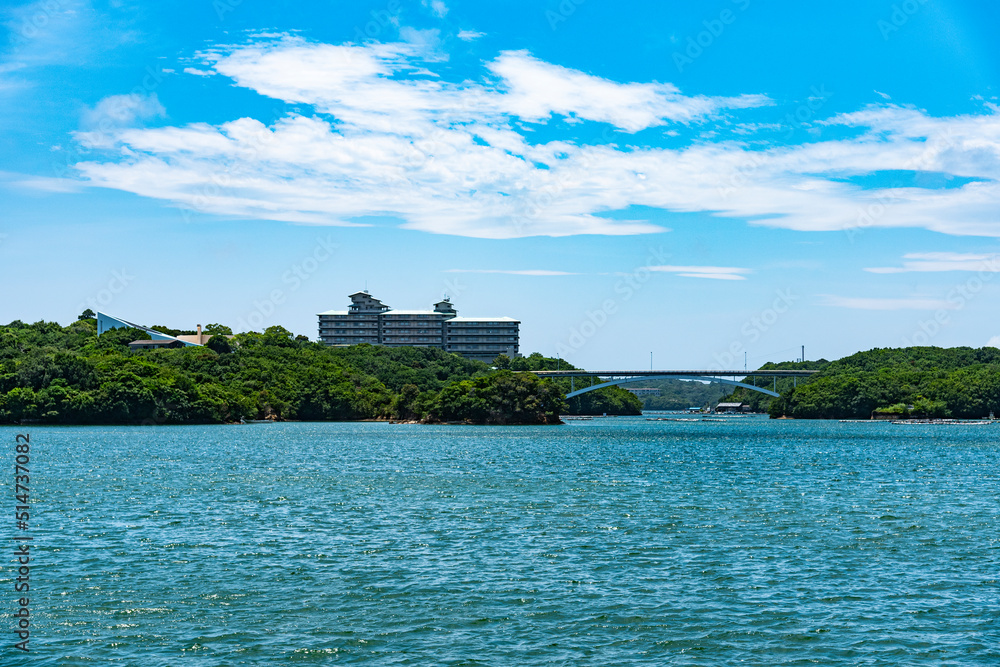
(502, 362)
(172, 332)
(87, 315)
(220, 344)
(504, 397)
(278, 335)
(405, 405)
(217, 330)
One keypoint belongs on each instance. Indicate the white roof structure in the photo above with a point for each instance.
(483, 319)
(412, 312)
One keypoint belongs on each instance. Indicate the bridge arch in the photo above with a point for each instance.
(703, 378)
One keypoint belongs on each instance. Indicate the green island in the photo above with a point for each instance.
(912, 382)
(51, 374)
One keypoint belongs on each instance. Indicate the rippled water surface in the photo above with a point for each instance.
(604, 542)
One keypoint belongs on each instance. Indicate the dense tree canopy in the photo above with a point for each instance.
(69, 375)
(610, 400)
(958, 382)
(503, 397)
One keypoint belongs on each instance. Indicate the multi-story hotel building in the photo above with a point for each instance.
(368, 320)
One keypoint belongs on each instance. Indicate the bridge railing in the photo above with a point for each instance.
(778, 372)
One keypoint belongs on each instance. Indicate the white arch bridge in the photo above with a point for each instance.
(612, 378)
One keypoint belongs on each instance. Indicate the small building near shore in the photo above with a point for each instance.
(732, 407)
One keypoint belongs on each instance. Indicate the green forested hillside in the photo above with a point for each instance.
(762, 402)
(611, 400)
(69, 375)
(957, 382)
(681, 394)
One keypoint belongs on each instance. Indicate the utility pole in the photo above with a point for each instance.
(803, 353)
(744, 362)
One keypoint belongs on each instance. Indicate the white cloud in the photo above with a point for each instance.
(46, 32)
(869, 303)
(711, 272)
(525, 272)
(993, 342)
(198, 72)
(437, 7)
(943, 261)
(470, 35)
(122, 110)
(384, 133)
(48, 184)
(536, 90)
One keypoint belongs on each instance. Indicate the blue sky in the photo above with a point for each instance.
(702, 181)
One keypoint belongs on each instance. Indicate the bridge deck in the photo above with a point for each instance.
(702, 373)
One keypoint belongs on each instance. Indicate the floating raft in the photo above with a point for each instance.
(923, 422)
(942, 422)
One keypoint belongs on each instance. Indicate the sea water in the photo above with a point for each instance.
(615, 541)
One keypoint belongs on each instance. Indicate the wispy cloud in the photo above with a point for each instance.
(446, 157)
(438, 7)
(710, 272)
(523, 272)
(46, 32)
(48, 184)
(123, 110)
(470, 35)
(536, 90)
(869, 303)
(943, 261)
(382, 132)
